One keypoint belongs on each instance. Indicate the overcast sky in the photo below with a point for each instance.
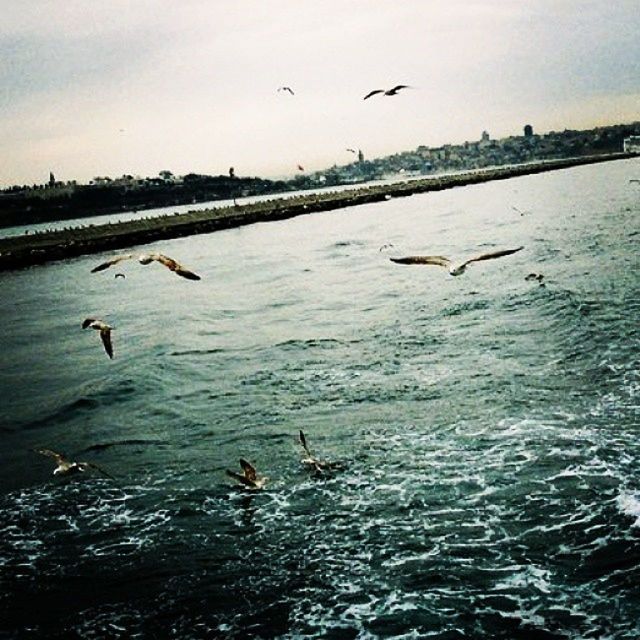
(93, 88)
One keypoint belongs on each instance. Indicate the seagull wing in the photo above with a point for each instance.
(397, 88)
(87, 322)
(92, 465)
(249, 470)
(58, 457)
(111, 262)
(373, 93)
(491, 255)
(439, 261)
(303, 442)
(175, 266)
(240, 478)
(105, 334)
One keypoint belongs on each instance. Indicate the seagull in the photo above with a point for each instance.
(170, 263)
(119, 275)
(385, 246)
(454, 269)
(105, 333)
(300, 167)
(289, 89)
(538, 277)
(67, 467)
(249, 477)
(352, 150)
(388, 92)
(318, 465)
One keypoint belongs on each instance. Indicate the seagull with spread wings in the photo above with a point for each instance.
(64, 466)
(387, 92)
(289, 89)
(105, 332)
(454, 269)
(311, 460)
(170, 263)
(249, 477)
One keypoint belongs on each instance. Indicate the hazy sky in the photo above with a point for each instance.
(104, 88)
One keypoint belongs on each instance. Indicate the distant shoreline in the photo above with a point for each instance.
(28, 250)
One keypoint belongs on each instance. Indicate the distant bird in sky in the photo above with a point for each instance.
(454, 269)
(119, 275)
(300, 167)
(387, 92)
(312, 461)
(105, 333)
(385, 246)
(522, 213)
(352, 150)
(289, 89)
(170, 263)
(67, 467)
(249, 477)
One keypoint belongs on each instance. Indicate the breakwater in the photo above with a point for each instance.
(28, 250)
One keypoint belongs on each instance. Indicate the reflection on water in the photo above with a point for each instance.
(487, 427)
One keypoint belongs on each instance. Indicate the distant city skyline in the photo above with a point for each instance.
(121, 88)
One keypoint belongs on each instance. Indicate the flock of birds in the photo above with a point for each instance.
(249, 478)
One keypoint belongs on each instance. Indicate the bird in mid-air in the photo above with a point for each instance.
(105, 333)
(170, 263)
(387, 92)
(68, 467)
(454, 269)
(249, 477)
(312, 461)
(289, 89)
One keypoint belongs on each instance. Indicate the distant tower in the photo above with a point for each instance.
(528, 130)
(485, 136)
(360, 156)
(232, 172)
(52, 179)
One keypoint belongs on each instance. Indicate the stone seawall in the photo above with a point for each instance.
(27, 250)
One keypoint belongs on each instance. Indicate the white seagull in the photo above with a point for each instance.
(249, 477)
(454, 269)
(105, 332)
(68, 467)
(168, 262)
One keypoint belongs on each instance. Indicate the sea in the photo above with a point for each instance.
(485, 428)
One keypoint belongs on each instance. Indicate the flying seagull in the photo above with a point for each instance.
(538, 277)
(67, 467)
(249, 477)
(317, 465)
(387, 92)
(105, 332)
(454, 269)
(289, 89)
(170, 263)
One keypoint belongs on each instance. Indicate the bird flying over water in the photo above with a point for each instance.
(454, 269)
(249, 477)
(387, 92)
(312, 461)
(68, 467)
(289, 89)
(105, 333)
(170, 263)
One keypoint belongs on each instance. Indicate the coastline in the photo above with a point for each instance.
(29, 250)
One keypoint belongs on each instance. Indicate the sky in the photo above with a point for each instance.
(91, 88)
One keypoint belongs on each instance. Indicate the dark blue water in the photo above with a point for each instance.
(488, 427)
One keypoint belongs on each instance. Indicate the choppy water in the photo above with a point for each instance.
(488, 426)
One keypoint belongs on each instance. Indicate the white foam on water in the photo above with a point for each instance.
(629, 504)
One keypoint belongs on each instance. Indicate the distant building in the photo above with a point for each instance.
(631, 144)
(528, 130)
(360, 156)
(52, 179)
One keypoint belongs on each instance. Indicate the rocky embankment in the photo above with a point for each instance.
(27, 250)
